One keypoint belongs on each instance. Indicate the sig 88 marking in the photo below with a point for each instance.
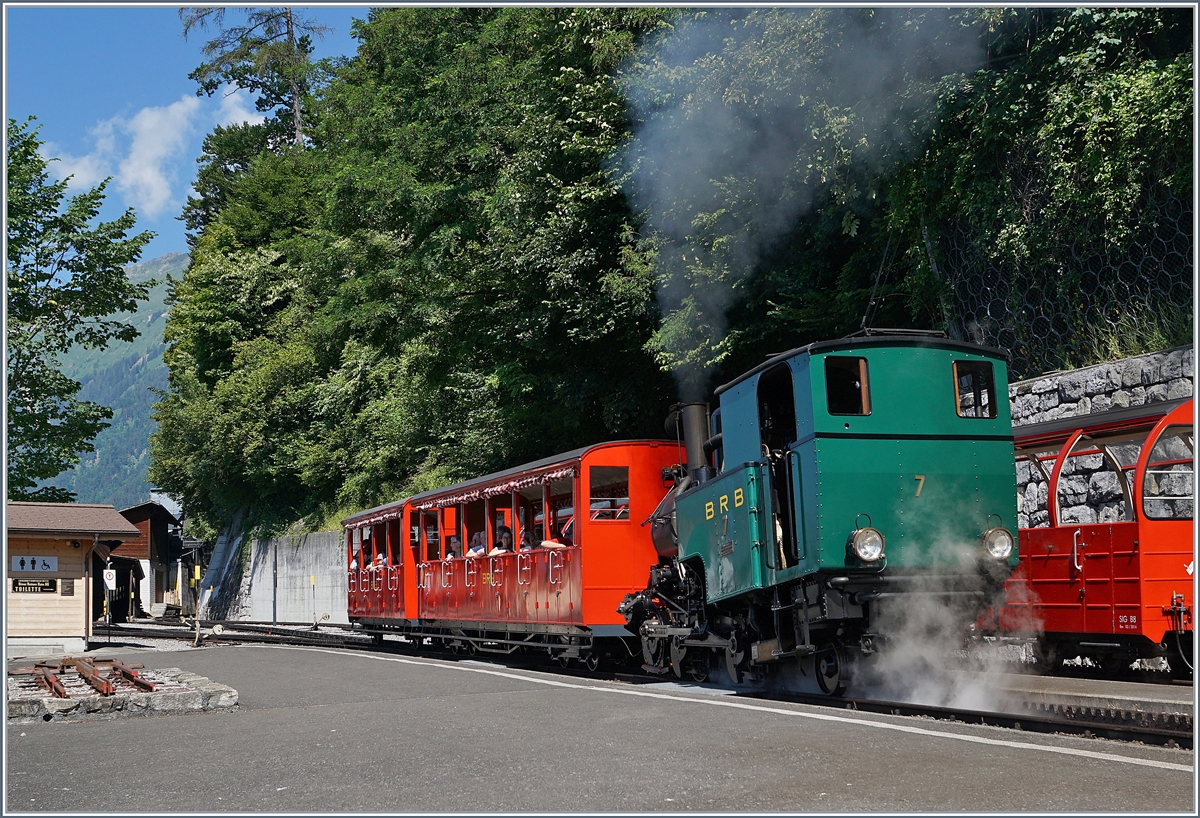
(739, 497)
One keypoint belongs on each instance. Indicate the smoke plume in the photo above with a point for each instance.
(744, 119)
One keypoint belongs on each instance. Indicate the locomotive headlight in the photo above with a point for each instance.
(867, 544)
(998, 542)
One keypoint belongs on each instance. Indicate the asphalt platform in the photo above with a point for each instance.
(327, 730)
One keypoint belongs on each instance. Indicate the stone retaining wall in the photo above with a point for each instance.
(1089, 489)
(1155, 376)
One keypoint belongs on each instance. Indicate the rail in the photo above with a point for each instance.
(1103, 723)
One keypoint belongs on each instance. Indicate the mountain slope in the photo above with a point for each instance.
(121, 377)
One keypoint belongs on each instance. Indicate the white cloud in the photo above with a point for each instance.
(85, 172)
(158, 134)
(237, 107)
(142, 153)
(146, 154)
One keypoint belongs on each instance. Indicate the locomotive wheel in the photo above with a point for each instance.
(678, 653)
(655, 651)
(733, 658)
(833, 670)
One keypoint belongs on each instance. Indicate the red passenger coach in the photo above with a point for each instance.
(562, 543)
(1106, 537)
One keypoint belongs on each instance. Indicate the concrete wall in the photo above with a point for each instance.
(300, 559)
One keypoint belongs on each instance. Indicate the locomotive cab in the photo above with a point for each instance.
(861, 480)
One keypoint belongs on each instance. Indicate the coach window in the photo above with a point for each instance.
(1169, 482)
(532, 517)
(429, 521)
(355, 547)
(1094, 481)
(974, 389)
(847, 390)
(379, 539)
(414, 534)
(609, 492)
(1034, 466)
(562, 512)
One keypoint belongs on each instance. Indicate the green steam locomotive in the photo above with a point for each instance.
(838, 489)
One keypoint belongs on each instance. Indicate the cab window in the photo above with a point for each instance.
(1169, 481)
(846, 387)
(974, 389)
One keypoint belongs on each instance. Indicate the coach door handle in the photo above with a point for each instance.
(1075, 545)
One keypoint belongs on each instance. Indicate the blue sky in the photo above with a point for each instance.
(109, 86)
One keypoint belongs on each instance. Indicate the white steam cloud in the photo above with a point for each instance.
(742, 117)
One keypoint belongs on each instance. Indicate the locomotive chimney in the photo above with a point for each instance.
(691, 423)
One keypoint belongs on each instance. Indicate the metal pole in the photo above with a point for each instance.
(108, 606)
(275, 581)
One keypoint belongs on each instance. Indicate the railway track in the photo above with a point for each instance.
(1074, 721)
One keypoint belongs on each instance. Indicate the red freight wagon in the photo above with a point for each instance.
(1106, 539)
(578, 547)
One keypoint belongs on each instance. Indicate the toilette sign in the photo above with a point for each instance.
(35, 565)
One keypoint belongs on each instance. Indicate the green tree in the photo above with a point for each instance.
(463, 290)
(225, 156)
(66, 280)
(266, 55)
(1054, 183)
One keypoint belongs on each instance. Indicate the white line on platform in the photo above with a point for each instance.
(719, 702)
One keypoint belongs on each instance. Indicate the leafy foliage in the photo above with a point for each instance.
(66, 280)
(506, 226)
(1063, 147)
(446, 280)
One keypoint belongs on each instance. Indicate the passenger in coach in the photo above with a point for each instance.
(504, 541)
(527, 540)
(558, 540)
(477, 545)
(453, 549)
